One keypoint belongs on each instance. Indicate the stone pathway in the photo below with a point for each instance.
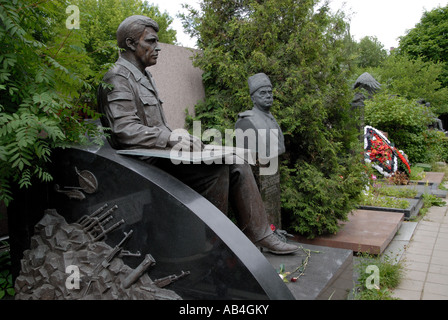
(425, 258)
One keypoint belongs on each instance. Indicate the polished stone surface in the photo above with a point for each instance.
(327, 272)
(181, 229)
(433, 177)
(366, 231)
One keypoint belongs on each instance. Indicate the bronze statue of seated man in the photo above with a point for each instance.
(132, 109)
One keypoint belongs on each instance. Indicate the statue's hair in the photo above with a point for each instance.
(133, 27)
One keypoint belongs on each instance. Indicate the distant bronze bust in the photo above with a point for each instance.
(269, 136)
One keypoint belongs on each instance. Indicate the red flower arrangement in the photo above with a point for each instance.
(381, 152)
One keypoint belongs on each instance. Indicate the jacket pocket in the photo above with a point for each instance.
(152, 110)
(149, 100)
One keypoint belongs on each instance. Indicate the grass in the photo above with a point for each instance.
(417, 173)
(390, 275)
(429, 201)
(380, 194)
(398, 192)
(384, 202)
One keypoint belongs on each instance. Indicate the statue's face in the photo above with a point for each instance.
(146, 48)
(263, 98)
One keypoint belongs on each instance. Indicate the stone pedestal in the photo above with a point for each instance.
(269, 186)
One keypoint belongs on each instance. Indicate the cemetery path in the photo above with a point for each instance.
(425, 259)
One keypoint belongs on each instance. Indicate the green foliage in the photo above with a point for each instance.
(406, 123)
(390, 275)
(100, 20)
(429, 201)
(428, 40)
(437, 146)
(414, 79)
(386, 111)
(398, 193)
(6, 283)
(417, 173)
(48, 79)
(300, 45)
(432, 201)
(314, 204)
(370, 53)
(384, 202)
(39, 84)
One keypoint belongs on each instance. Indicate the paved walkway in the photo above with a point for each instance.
(425, 259)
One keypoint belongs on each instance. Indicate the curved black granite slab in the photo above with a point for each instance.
(181, 229)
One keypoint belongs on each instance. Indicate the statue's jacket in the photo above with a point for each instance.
(131, 107)
(258, 120)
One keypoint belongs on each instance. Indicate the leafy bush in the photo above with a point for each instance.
(39, 84)
(436, 143)
(405, 121)
(300, 46)
(314, 204)
(414, 79)
(6, 283)
(428, 40)
(48, 78)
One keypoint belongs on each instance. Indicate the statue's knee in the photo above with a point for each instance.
(239, 171)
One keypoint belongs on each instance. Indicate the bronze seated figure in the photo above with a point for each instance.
(133, 111)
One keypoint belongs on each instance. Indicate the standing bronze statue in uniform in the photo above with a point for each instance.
(133, 110)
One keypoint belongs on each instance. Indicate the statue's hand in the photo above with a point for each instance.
(185, 141)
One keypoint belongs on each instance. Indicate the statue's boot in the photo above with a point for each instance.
(246, 200)
(273, 244)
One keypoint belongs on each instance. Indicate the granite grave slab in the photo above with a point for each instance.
(366, 231)
(328, 274)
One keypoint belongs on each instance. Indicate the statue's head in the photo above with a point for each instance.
(260, 88)
(137, 35)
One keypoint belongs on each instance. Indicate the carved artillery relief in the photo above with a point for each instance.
(58, 249)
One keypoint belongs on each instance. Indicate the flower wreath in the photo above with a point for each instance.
(381, 154)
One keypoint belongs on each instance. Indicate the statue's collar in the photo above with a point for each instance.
(139, 76)
(131, 67)
(262, 111)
